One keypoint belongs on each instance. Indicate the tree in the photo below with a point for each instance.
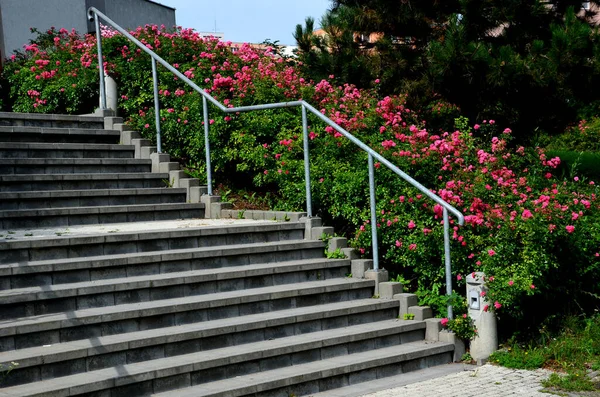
(527, 63)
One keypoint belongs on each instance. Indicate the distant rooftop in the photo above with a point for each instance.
(157, 3)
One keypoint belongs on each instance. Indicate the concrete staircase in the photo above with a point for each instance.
(243, 309)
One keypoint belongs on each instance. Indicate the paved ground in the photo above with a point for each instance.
(453, 380)
(487, 380)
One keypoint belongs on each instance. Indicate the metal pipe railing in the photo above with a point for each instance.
(93, 14)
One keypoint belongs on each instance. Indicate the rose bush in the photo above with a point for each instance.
(532, 233)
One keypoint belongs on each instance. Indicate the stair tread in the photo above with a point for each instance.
(152, 234)
(38, 355)
(58, 130)
(89, 192)
(135, 310)
(136, 258)
(51, 117)
(66, 146)
(75, 177)
(159, 280)
(73, 161)
(98, 209)
(128, 373)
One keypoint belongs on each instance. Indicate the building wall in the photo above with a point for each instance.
(17, 16)
(133, 13)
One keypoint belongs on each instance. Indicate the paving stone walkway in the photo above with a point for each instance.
(484, 381)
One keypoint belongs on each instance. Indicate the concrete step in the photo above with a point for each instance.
(58, 135)
(169, 376)
(44, 274)
(90, 198)
(23, 302)
(65, 150)
(50, 120)
(52, 182)
(50, 329)
(309, 378)
(73, 166)
(22, 219)
(209, 335)
(215, 363)
(74, 249)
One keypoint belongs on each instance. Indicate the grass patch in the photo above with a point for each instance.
(572, 353)
(569, 382)
(520, 358)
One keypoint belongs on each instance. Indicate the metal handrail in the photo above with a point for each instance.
(93, 15)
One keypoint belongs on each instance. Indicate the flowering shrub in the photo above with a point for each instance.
(53, 74)
(463, 326)
(533, 234)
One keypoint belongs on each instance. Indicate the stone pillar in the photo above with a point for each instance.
(486, 340)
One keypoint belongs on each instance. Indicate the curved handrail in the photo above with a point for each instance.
(93, 13)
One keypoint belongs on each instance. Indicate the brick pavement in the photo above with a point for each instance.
(484, 381)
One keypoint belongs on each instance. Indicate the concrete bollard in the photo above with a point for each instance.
(486, 340)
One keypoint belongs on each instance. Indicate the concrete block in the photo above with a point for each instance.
(406, 301)
(122, 127)
(187, 183)
(175, 178)
(158, 159)
(109, 122)
(139, 143)
(336, 243)
(128, 136)
(255, 214)
(195, 192)
(433, 328)
(216, 208)
(360, 266)
(379, 276)
(146, 151)
(421, 312)
(318, 232)
(295, 216)
(168, 167)
(387, 290)
(208, 201)
(459, 345)
(350, 253)
(309, 224)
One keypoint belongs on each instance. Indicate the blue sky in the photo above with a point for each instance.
(248, 20)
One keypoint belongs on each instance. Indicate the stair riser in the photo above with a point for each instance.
(35, 169)
(102, 297)
(90, 201)
(139, 243)
(104, 270)
(36, 221)
(58, 138)
(272, 360)
(318, 385)
(145, 320)
(53, 185)
(65, 154)
(15, 122)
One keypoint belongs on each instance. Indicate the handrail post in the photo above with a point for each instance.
(207, 146)
(447, 262)
(373, 214)
(100, 63)
(306, 163)
(156, 106)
